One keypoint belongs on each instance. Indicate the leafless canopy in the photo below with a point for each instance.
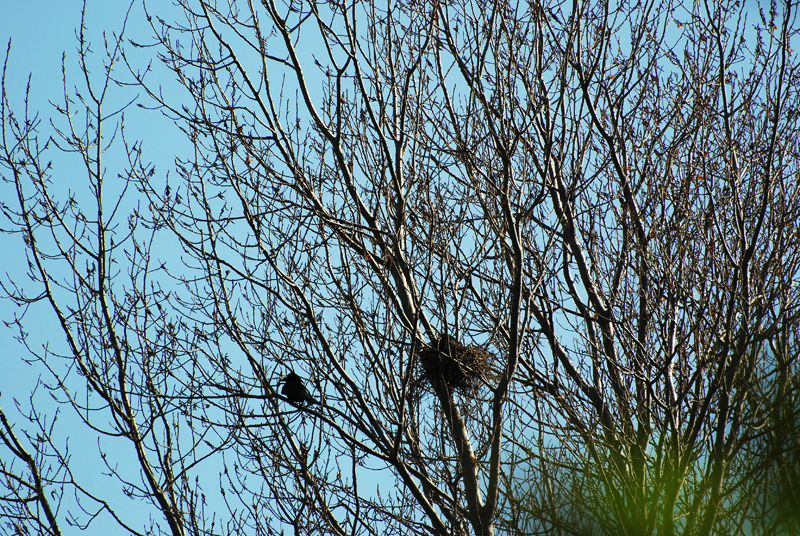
(594, 205)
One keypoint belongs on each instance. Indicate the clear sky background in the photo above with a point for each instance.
(41, 32)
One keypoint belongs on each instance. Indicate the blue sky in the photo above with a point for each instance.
(41, 32)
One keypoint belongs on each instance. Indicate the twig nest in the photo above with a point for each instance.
(451, 365)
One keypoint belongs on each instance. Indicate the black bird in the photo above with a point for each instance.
(295, 391)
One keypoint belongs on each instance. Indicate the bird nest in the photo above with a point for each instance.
(451, 365)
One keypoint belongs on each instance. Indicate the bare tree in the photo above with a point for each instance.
(76, 250)
(538, 263)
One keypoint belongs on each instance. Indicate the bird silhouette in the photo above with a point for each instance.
(295, 391)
